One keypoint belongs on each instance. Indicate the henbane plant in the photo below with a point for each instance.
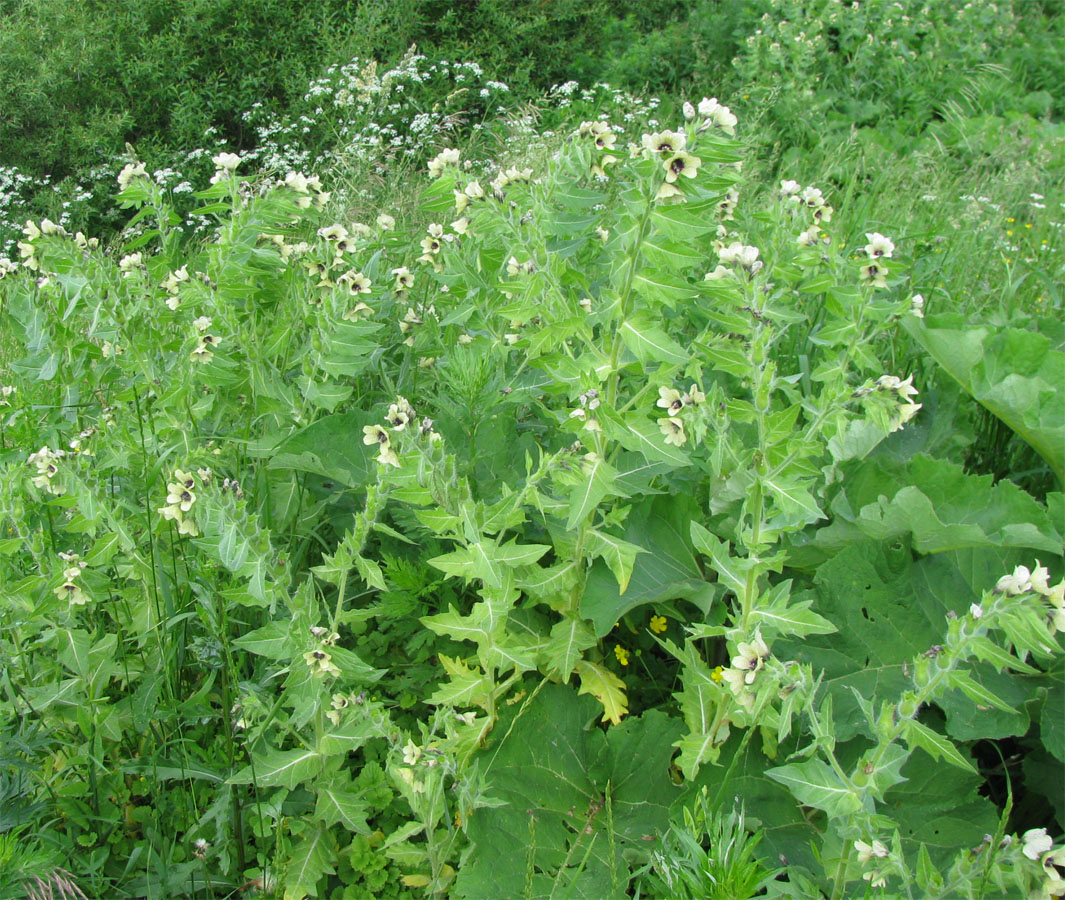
(215, 451)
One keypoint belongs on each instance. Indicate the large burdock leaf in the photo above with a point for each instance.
(1013, 373)
(580, 805)
(940, 505)
(890, 608)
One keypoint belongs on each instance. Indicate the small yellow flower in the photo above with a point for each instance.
(622, 654)
(716, 675)
(658, 624)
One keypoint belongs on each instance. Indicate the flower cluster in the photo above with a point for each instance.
(589, 403)
(172, 286)
(738, 256)
(400, 414)
(812, 200)
(225, 166)
(206, 343)
(130, 172)
(71, 590)
(746, 664)
(876, 877)
(131, 264)
(45, 460)
(404, 282)
(675, 403)
(896, 394)
(434, 242)
(319, 659)
(879, 248)
(309, 190)
(903, 391)
(1024, 580)
(446, 157)
(603, 138)
(1037, 845)
(668, 147)
(180, 498)
(28, 250)
(713, 114)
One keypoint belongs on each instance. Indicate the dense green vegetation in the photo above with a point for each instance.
(501, 469)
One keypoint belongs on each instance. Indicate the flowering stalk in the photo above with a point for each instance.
(1028, 611)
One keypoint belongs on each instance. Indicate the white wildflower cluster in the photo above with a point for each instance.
(1038, 846)
(309, 190)
(225, 166)
(879, 248)
(375, 116)
(15, 191)
(812, 200)
(172, 285)
(46, 461)
(749, 660)
(1024, 580)
(899, 393)
(400, 415)
(734, 256)
(588, 403)
(180, 499)
(7, 391)
(71, 589)
(676, 403)
(319, 658)
(868, 854)
(668, 148)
